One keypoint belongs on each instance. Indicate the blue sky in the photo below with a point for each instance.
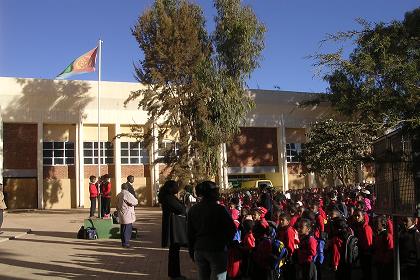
(38, 39)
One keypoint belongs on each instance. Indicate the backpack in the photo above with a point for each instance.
(352, 250)
(280, 254)
(91, 233)
(81, 233)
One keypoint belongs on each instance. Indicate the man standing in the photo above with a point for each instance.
(2, 205)
(210, 230)
(129, 185)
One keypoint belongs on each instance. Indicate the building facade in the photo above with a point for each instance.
(49, 142)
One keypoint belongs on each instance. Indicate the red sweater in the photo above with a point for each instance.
(106, 189)
(338, 248)
(383, 248)
(93, 190)
(293, 220)
(319, 226)
(365, 235)
(288, 236)
(249, 241)
(307, 249)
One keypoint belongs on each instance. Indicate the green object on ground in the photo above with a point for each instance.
(104, 227)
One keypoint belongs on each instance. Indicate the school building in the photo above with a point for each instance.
(48, 142)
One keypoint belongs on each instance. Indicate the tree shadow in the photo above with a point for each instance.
(48, 100)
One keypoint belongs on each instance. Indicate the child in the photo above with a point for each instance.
(365, 236)
(306, 251)
(409, 249)
(93, 194)
(248, 244)
(383, 250)
(289, 236)
(340, 233)
(262, 257)
(106, 196)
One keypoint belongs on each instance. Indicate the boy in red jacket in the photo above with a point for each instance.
(340, 233)
(306, 251)
(365, 236)
(93, 194)
(383, 247)
(289, 236)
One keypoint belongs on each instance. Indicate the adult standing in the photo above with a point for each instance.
(129, 185)
(2, 205)
(125, 208)
(106, 196)
(210, 230)
(170, 205)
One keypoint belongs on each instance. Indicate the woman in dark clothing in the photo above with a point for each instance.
(170, 204)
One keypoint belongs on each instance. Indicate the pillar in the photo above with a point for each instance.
(154, 167)
(282, 159)
(40, 165)
(80, 171)
(117, 158)
(1, 147)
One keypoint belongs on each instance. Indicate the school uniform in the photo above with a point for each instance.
(338, 259)
(93, 195)
(383, 247)
(365, 238)
(305, 256)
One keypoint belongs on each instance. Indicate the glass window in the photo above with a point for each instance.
(58, 153)
(134, 153)
(293, 151)
(90, 152)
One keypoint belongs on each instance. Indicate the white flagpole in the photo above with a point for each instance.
(99, 118)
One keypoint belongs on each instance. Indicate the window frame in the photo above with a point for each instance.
(65, 149)
(293, 153)
(105, 147)
(142, 160)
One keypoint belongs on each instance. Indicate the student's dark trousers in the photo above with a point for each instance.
(92, 206)
(126, 231)
(106, 203)
(173, 261)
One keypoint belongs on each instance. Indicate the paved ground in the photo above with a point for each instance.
(51, 250)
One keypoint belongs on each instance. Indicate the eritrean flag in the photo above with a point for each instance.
(81, 65)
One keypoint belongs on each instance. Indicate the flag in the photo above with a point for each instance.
(82, 64)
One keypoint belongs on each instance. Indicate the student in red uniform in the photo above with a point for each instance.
(365, 237)
(289, 236)
(307, 250)
(340, 233)
(383, 246)
(93, 194)
(319, 234)
(106, 196)
(294, 216)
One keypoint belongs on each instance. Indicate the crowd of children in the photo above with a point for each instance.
(315, 233)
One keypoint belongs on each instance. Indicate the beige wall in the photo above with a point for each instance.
(21, 193)
(90, 132)
(59, 132)
(275, 178)
(295, 135)
(59, 193)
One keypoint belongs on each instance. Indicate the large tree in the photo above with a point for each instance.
(195, 81)
(335, 148)
(379, 83)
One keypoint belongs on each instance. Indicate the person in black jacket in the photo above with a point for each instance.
(170, 205)
(210, 230)
(129, 185)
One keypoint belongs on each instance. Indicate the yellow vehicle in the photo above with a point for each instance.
(255, 184)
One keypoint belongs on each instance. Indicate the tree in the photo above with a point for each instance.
(335, 148)
(379, 82)
(195, 82)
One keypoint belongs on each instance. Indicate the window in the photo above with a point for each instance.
(167, 145)
(134, 153)
(292, 151)
(90, 152)
(58, 153)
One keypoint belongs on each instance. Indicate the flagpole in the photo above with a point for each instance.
(99, 118)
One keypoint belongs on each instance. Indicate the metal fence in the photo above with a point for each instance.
(394, 175)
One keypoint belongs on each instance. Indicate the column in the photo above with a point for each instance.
(284, 155)
(80, 172)
(154, 172)
(225, 168)
(117, 158)
(220, 172)
(40, 165)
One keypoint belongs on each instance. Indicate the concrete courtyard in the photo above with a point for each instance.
(51, 251)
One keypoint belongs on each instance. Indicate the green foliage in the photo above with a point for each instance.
(195, 82)
(379, 82)
(334, 148)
